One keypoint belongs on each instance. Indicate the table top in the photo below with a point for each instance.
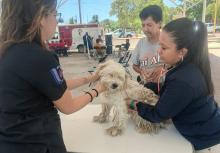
(81, 134)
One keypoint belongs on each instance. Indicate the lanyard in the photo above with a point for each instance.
(163, 72)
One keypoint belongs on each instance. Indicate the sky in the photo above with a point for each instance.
(89, 8)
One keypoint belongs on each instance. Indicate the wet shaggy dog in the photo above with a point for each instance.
(119, 87)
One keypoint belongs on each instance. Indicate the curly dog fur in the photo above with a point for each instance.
(119, 87)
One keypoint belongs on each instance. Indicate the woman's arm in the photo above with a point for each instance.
(153, 86)
(77, 82)
(175, 98)
(68, 104)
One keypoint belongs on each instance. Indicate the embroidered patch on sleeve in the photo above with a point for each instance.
(57, 74)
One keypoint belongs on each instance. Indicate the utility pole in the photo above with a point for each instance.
(204, 11)
(184, 8)
(80, 15)
(215, 17)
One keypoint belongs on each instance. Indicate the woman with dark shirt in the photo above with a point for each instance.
(187, 94)
(32, 86)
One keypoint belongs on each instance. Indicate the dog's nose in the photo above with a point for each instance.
(114, 85)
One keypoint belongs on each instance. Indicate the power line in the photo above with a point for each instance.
(61, 2)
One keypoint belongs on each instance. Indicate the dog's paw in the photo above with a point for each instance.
(148, 130)
(114, 131)
(100, 119)
(148, 127)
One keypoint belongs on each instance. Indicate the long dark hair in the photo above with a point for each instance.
(20, 21)
(192, 35)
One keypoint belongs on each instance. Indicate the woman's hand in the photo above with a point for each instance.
(100, 87)
(131, 105)
(94, 77)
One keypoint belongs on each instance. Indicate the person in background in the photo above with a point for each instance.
(57, 48)
(146, 61)
(100, 39)
(99, 47)
(126, 45)
(187, 95)
(63, 48)
(32, 86)
(87, 40)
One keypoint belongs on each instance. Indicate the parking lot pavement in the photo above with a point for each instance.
(214, 50)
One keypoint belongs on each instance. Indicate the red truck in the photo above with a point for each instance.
(72, 35)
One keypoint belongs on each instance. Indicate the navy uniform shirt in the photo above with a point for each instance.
(30, 80)
(184, 99)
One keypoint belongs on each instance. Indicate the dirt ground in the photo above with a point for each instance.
(215, 67)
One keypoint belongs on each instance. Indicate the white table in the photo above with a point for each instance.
(81, 134)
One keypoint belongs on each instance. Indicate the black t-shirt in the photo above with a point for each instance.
(30, 80)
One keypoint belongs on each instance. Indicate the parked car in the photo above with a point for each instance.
(122, 33)
(210, 27)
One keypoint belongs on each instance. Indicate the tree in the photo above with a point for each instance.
(195, 12)
(71, 20)
(59, 18)
(128, 11)
(110, 25)
(210, 12)
(95, 19)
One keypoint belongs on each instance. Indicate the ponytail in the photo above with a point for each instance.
(192, 35)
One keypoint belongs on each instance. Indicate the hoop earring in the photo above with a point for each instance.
(182, 59)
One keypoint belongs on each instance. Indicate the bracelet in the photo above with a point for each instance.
(97, 93)
(132, 105)
(90, 96)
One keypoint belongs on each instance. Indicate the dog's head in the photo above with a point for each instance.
(112, 75)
